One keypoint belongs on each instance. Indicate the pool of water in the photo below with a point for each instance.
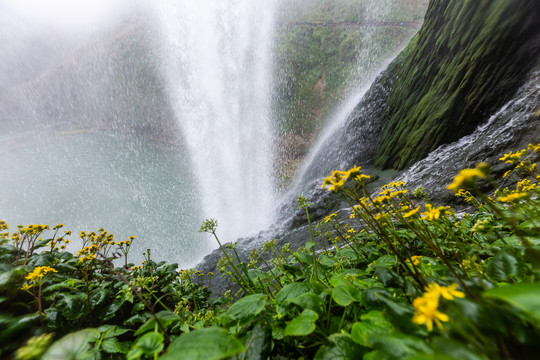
(90, 179)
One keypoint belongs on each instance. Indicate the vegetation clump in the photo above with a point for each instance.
(396, 278)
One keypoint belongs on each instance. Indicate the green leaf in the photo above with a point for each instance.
(328, 261)
(309, 301)
(291, 269)
(204, 344)
(349, 255)
(99, 296)
(309, 245)
(523, 296)
(387, 276)
(302, 325)
(387, 261)
(293, 290)
(113, 346)
(343, 348)
(399, 346)
(10, 277)
(453, 349)
(73, 307)
(257, 275)
(136, 319)
(114, 307)
(74, 346)
(502, 267)
(373, 324)
(304, 258)
(339, 279)
(344, 295)
(245, 309)
(148, 344)
(165, 318)
(258, 344)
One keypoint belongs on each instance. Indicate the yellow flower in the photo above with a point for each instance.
(338, 178)
(26, 287)
(396, 193)
(329, 217)
(39, 272)
(512, 197)
(381, 199)
(467, 177)
(426, 312)
(415, 259)
(535, 148)
(412, 212)
(351, 173)
(447, 292)
(425, 307)
(432, 213)
(513, 157)
(336, 185)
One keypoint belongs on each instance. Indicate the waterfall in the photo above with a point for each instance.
(218, 67)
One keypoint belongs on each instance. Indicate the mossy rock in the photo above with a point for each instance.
(468, 59)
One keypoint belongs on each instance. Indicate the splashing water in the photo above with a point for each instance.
(218, 67)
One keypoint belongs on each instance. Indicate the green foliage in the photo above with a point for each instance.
(399, 279)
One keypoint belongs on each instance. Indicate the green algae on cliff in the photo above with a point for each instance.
(468, 59)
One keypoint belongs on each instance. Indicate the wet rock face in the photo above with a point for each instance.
(468, 59)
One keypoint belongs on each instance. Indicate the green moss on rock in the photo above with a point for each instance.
(468, 59)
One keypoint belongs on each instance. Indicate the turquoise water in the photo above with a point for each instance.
(87, 180)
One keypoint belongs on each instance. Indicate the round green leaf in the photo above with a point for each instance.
(246, 308)
(302, 325)
(74, 346)
(503, 266)
(203, 344)
(373, 324)
(149, 344)
(309, 301)
(344, 295)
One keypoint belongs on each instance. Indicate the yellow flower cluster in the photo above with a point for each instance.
(95, 244)
(512, 158)
(433, 213)
(426, 307)
(513, 196)
(3, 225)
(411, 212)
(534, 147)
(467, 177)
(415, 259)
(329, 217)
(39, 272)
(338, 178)
(526, 185)
(522, 162)
(33, 229)
(88, 253)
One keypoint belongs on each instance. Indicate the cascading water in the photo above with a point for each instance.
(218, 67)
(513, 126)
